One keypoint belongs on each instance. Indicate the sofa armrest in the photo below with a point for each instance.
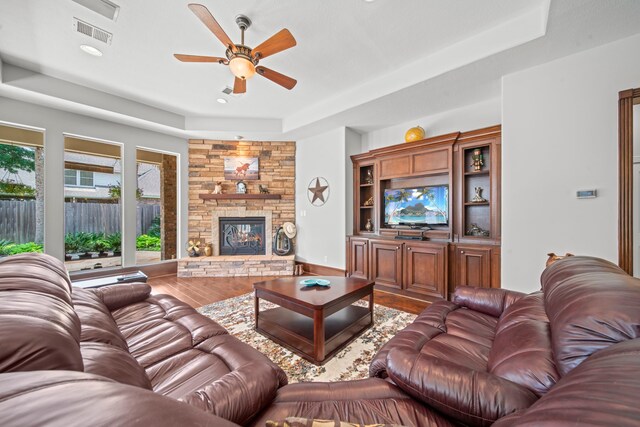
(239, 395)
(472, 397)
(117, 296)
(488, 301)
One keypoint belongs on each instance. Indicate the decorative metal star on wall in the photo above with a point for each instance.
(318, 191)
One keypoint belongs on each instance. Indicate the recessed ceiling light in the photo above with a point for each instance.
(369, 1)
(222, 100)
(91, 50)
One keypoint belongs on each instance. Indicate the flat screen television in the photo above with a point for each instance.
(422, 205)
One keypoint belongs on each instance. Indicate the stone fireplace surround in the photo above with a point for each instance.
(206, 168)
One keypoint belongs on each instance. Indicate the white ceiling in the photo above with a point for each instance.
(359, 64)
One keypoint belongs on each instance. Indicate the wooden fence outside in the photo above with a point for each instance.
(18, 218)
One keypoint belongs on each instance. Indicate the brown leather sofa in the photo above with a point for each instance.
(123, 333)
(567, 355)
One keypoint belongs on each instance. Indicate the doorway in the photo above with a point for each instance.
(629, 181)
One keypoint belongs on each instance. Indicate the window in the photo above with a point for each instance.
(21, 190)
(93, 212)
(156, 238)
(78, 178)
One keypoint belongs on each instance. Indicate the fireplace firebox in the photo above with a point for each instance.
(242, 236)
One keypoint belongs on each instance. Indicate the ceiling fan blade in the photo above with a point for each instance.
(280, 41)
(284, 81)
(239, 86)
(198, 58)
(207, 19)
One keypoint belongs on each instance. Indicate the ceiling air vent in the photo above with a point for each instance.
(92, 31)
(103, 7)
(227, 90)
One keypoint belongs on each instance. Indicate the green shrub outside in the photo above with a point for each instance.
(9, 248)
(148, 243)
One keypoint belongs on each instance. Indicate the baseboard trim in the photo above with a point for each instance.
(151, 270)
(320, 270)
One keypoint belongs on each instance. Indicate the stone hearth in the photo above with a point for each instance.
(236, 266)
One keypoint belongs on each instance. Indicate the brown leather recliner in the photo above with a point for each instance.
(122, 333)
(567, 355)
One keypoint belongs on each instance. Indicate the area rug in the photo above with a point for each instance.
(352, 362)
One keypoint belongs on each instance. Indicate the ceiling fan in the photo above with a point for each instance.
(241, 59)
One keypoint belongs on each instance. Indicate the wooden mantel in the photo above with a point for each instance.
(234, 196)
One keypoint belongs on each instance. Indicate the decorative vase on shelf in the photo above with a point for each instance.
(414, 134)
(208, 250)
(369, 225)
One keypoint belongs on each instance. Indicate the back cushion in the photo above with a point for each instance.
(589, 312)
(39, 328)
(521, 350)
(96, 320)
(114, 363)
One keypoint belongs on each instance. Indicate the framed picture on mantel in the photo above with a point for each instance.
(241, 168)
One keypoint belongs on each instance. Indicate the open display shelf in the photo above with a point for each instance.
(476, 214)
(365, 190)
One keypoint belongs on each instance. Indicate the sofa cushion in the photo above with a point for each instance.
(63, 398)
(470, 396)
(163, 326)
(114, 363)
(38, 331)
(33, 272)
(39, 328)
(97, 323)
(589, 311)
(602, 391)
(444, 330)
(521, 350)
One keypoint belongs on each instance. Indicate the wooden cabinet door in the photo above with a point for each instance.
(473, 265)
(358, 258)
(386, 263)
(425, 269)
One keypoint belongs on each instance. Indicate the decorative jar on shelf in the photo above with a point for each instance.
(369, 225)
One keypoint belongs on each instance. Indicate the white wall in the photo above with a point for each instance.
(56, 123)
(469, 117)
(560, 134)
(322, 229)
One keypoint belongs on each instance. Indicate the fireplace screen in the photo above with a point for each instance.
(242, 236)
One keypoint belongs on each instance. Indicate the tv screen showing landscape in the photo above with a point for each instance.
(422, 205)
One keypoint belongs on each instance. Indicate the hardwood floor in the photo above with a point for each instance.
(206, 290)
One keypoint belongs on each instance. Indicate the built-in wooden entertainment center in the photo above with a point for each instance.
(464, 251)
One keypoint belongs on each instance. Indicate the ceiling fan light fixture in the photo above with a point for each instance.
(242, 68)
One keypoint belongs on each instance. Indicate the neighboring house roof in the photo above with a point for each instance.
(148, 178)
(93, 160)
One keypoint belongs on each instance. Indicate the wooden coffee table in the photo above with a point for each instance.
(315, 323)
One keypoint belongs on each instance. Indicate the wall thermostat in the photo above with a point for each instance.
(586, 194)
